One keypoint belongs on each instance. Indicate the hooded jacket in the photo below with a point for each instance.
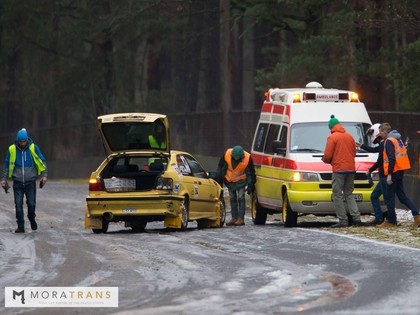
(25, 168)
(340, 150)
(395, 156)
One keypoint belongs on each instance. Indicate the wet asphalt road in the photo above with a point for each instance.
(234, 270)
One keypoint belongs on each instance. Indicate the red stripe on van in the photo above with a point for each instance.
(283, 163)
(278, 109)
(267, 107)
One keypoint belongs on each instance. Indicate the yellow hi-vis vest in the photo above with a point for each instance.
(40, 166)
(237, 174)
(153, 143)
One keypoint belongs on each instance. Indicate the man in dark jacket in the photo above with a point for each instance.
(24, 162)
(237, 170)
(381, 186)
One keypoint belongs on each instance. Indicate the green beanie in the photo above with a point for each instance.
(333, 121)
(237, 152)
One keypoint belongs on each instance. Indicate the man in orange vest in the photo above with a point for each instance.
(238, 172)
(395, 161)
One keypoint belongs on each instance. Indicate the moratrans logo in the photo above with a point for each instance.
(61, 296)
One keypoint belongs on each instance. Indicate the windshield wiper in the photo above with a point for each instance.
(305, 150)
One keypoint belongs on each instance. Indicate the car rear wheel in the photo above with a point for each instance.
(258, 213)
(222, 211)
(105, 225)
(184, 215)
(138, 226)
(289, 217)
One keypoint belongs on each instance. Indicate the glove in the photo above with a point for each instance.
(389, 179)
(249, 189)
(42, 182)
(5, 186)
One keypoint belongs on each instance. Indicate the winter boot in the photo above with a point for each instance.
(34, 226)
(232, 222)
(20, 229)
(239, 222)
(386, 225)
(416, 223)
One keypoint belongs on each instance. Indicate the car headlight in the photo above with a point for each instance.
(164, 183)
(305, 177)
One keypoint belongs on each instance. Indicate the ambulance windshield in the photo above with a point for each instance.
(312, 137)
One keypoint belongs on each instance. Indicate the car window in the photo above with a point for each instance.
(183, 166)
(312, 137)
(260, 137)
(134, 135)
(138, 163)
(190, 166)
(273, 133)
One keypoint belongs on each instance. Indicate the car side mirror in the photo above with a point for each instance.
(278, 147)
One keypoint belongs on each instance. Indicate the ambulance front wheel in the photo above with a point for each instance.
(258, 213)
(288, 216)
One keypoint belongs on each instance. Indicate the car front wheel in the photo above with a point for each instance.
(289, 217)
(258, 213)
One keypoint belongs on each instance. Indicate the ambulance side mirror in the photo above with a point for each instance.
(278, 147)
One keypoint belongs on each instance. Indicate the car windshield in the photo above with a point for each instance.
(132, 135)
(312, 137)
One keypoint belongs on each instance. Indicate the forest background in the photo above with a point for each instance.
(204, 63)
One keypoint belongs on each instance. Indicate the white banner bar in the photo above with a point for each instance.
(61, 296)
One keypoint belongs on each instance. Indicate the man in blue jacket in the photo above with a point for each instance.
(24, 162)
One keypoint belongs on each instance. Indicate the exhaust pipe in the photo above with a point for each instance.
(108, 216)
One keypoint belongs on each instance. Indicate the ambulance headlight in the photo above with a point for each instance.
(305, 177)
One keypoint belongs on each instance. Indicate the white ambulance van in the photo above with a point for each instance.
(288, 145)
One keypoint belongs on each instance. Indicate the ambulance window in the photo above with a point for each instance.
(283, 137)
(273, 133)
(308, 137)
(358, 131)
(259, 140)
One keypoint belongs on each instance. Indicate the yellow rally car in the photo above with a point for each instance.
(142, 180)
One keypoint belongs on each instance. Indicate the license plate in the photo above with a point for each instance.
(357, 197)
(129, 210)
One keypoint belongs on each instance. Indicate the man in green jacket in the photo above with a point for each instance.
(237, 170)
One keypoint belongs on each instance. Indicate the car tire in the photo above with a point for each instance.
(105, 225)
(184, 215)
(138, 226)
(289, 217)
(222, 211)
(258, 213)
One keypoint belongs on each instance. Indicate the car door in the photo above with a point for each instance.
(202, 190)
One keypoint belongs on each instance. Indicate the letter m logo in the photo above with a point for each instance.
(21, 294)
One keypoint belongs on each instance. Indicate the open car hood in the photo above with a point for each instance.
(134, 132)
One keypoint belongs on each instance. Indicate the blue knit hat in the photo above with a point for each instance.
(333, 121)
(22, 135)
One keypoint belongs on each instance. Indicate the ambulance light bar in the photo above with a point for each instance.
(322, 95)
(328, 96)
